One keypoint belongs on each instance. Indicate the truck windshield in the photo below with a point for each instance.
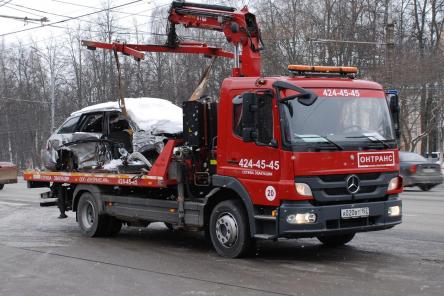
(337, 123)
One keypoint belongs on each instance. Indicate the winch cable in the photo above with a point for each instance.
(200, 89)
(119, 85)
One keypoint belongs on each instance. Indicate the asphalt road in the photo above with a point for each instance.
(42, 255)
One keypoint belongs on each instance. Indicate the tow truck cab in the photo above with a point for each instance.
(317, 152)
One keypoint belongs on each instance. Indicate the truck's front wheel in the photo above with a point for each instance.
(229, 229)
(1, 186)
(90, 222)
(336, 240)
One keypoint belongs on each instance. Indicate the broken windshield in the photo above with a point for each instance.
(336, 123)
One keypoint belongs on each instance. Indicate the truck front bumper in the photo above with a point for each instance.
(329, 220)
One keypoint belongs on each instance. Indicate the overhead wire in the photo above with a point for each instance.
(87, 6)
(4, 3)
(217, 39)
(70, 18)
(23, 100)
(95, 23)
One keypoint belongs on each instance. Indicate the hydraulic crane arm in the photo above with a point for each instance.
(240, 29)
(136, 50)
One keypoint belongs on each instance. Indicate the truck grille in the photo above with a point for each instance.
(358, 222)
(331, 189)
(338, 178)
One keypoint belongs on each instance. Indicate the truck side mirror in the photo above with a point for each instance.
(249, 108)
(395, 110)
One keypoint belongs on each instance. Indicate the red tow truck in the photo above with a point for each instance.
(312, 154)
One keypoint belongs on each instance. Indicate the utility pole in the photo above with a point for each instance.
(52, 72)
(390, 50)
(52, 93)
(441, 119)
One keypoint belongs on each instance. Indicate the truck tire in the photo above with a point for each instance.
(90, 222)
(336, 240)
(1, 186)
(229, 229)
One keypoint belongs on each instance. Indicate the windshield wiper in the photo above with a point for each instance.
(339, 147)
(372, 139)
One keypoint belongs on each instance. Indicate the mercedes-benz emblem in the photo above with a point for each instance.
(352, 184)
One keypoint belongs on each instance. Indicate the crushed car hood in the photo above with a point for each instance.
(149, 114)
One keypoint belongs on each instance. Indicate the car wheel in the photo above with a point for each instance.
(336, 240)
(425, 187)
(229, 229)
(90, 222)
(2, 186)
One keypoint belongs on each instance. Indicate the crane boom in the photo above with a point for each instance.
(239, 27)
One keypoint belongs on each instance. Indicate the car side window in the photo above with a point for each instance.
(69, 126)
(93, 123)
(117, 122)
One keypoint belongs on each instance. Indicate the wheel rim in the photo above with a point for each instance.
(227, 230)
(87, 215)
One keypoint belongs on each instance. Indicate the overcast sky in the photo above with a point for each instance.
(58, 10)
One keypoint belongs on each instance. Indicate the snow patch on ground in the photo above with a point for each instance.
(150, 114)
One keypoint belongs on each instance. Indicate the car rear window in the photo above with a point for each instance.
(411, 157)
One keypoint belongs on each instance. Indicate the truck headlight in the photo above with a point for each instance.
(394, 211)
(302, 218)
(394, 184)
(303, 189)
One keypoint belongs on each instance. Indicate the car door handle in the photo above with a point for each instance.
(233, 161)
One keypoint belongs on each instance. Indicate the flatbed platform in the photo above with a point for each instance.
(138, 180)
(157, 177)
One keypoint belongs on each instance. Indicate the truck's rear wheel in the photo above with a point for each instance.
(336, 240)
(90, 222)
(229, 229)
(1, 186)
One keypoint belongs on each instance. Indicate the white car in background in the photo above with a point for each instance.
(96, 135)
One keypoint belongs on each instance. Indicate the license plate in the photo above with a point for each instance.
(429, 170)
(355, 213)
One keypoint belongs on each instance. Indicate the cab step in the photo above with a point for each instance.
(265, 236)
(48, 203)
(264, 218)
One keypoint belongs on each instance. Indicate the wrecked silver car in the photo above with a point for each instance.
(100, 137)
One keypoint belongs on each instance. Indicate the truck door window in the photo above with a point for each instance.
(93, 123)
(69, 126)
(264, 122)
(237, 116)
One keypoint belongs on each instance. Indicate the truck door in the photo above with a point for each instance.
(255, 163)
